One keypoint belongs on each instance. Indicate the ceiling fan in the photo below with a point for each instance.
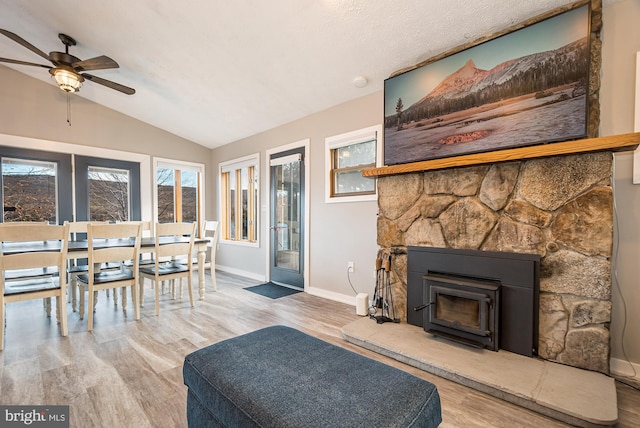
(68, 70)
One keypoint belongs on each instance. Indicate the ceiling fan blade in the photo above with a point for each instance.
(98, 63)
(24, 43)
(15, 61)
(110, 84)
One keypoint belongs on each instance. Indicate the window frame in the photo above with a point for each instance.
(333, 144)
(82, 165)
(64, 178)
(198, 168)
(235, 165)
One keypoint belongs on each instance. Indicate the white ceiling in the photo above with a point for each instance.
(214, 72)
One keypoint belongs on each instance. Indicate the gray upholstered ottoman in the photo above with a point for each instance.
(281, 377)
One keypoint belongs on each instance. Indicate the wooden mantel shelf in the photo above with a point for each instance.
(615, 143)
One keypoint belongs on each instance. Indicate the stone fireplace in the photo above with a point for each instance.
(560, 208)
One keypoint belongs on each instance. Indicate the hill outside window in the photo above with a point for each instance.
(36, 185)
(30, 190)
(179, 193)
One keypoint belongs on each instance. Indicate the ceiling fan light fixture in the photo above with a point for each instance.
(67, 80)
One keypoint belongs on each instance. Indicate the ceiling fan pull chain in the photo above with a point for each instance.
(69, 109)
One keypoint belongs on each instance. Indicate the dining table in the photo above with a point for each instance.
(79, 249)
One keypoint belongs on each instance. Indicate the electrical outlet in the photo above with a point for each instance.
(350, 266)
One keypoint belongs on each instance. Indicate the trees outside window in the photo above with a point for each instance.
(179, 192)
(29, 190)
(108, 194)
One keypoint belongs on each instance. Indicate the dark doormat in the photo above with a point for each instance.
(271, 290)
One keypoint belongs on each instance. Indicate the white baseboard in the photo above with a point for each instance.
(624, 368)
(240, 272)
(330, 295)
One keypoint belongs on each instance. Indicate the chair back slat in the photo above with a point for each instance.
(174, 249)
(29, 231)
(144, 224)
(175, 229)
(39, 259)
(115, 230)
(78, 227)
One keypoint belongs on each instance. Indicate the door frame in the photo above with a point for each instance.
(266, 209)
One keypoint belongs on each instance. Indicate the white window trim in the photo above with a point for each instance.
(185, 166)
(346, 139)
(230, 165)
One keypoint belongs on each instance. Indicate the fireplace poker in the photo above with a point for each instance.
(376, 302)
(391, 310)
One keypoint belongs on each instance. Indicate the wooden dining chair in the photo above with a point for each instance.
(75, 267)
(21, 274)
(27, 248)
(210, 233)
(112, 243)
(173, 241)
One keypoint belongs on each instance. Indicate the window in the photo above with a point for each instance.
(239, 199)
(33, 184)
(108, 194)
(107, 189)
(346, 156)
(179, 191)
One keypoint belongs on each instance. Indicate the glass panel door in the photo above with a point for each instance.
(287, 218)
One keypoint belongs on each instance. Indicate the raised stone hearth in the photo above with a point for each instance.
(578, 397)
(560, 208)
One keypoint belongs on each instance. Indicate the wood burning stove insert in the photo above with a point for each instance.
(462, 309)
(490, 299)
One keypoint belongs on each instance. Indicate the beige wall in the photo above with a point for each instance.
(621, 41)
(36, 109)
(339, 232)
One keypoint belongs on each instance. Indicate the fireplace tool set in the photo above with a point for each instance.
(382, 309)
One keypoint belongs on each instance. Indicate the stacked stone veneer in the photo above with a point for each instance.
(560, 208)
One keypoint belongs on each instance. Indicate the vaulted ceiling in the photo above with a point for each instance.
(214, 72)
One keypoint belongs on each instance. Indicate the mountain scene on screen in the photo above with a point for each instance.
(537, 98)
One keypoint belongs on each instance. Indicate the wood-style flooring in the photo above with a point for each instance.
(128, 373)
